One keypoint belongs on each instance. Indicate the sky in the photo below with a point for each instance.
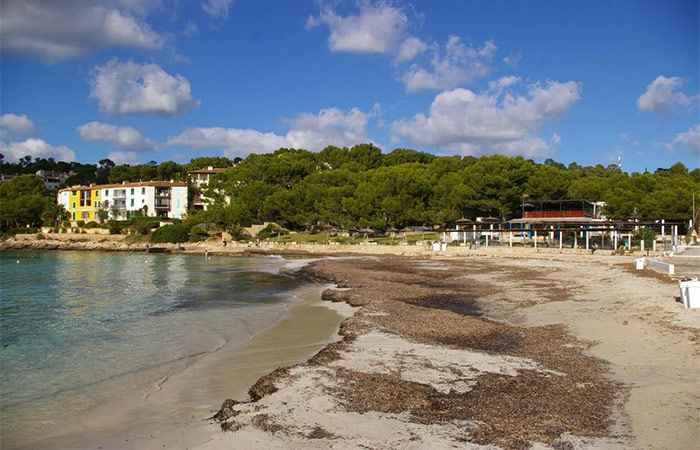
(142, 80)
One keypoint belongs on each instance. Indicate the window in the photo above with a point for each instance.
(73, 208)
(132, 191)
(85, 198)
(132, 201)
(73, 216)
(97, 203)
(97, 193)
(143, 200)
(73, 193)
(143, 191)
(106, 193)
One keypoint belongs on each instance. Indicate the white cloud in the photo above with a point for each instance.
(140, 89)
(313, 132)
(513, 60)
(375, 29)
(190, 29)
(688, 140)
(217, 9)
(19, 125)
(124, 138)
(120, 157)
(460, 64)
(502, 83)
(461, 121)
(35, 148)
(409, 49)
(555, 140)
(662, 96)
(56, 30)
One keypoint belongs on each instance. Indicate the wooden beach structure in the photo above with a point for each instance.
(550, 223)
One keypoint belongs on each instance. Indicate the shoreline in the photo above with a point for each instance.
(515, 310)
(173, 412)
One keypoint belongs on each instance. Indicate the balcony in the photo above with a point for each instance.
(162, 203)
(121, 193)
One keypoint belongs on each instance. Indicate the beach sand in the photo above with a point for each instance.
(173, 414)
(561, 352)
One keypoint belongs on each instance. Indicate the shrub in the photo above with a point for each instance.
(272, 230)
(81, 223)
(56, 229)
(66, 224)
(171, 233)
(197, 233)
(114, 227)
(40, 236)
(92, 224)
(141, 226)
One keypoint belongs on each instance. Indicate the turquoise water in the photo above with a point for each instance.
(79, 329)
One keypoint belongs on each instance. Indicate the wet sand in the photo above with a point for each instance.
(174, 413)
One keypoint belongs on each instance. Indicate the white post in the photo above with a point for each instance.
(653, 245)
(487, 239)
(561, 240)
(663, 227)
(535, 238)
(586, 232)
(641, 245)
(510, 239)
(675, 235)
(615, 241)
(629, 241)
(575, 240)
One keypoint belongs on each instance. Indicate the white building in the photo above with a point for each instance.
(52, 180)
(122, 201)
(200, 178)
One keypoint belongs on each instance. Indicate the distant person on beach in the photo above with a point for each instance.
(594, 248)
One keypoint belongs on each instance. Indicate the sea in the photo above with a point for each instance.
(81, 329)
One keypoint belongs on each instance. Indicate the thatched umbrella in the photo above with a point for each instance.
(392, 233)
(367, 231)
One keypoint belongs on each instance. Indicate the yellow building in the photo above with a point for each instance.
(82, 202)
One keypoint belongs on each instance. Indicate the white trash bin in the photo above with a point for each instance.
(692, 293)
(639, 263)
(683, 284)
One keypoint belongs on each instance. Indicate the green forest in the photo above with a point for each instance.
(361, 186)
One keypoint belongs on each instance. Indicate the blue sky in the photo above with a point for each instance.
(156, 80)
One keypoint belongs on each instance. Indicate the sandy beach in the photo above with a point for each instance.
(501, 350)
(532, 352)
